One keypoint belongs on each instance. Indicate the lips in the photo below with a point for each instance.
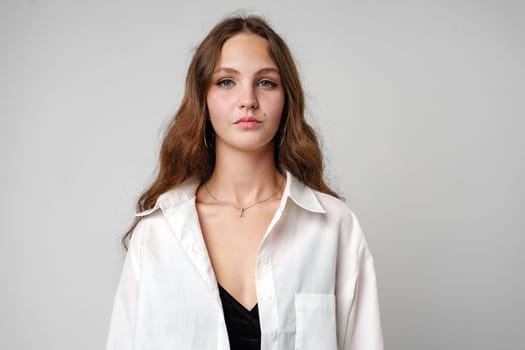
(247, 120)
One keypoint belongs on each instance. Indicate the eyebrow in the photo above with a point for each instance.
(234, 71)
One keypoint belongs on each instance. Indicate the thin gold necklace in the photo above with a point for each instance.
(243, 209)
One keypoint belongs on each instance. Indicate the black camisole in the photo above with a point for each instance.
(244, 331)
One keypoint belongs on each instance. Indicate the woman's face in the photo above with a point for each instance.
(245, 99)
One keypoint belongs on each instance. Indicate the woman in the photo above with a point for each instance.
(239, 243)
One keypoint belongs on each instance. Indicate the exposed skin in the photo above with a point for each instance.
(246, 83)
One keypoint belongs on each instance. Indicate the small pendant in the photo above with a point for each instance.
(242, 213)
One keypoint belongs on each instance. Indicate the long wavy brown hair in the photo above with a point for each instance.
(184, 152)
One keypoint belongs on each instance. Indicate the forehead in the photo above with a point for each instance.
(245, 49)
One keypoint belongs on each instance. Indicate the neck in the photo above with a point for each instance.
(242, 178)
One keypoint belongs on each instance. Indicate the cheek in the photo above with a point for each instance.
(275, 106)
(216, 105)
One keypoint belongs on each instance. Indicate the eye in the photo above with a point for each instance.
(265, 83)
(226, 83)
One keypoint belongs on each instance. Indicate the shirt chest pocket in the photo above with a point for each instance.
(315, 323)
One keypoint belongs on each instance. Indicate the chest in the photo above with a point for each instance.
(232, 242)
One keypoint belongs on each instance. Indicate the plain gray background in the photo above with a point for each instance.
(419, 105)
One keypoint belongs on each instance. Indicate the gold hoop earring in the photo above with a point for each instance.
(204, 135)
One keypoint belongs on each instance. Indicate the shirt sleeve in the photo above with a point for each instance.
(123, 318)
(363, 323)
(364, 326)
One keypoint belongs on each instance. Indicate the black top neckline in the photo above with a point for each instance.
(226, 295)
(243, 326)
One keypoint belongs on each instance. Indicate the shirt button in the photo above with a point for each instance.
(266, 261)
(273, 335)
(196, 248)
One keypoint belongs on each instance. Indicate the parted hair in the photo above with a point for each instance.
(184, 153)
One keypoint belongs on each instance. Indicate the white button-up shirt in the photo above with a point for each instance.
(315, 279)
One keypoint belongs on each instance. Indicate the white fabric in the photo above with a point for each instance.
(315, 279)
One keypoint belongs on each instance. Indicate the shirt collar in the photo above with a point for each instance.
(177, 195)
(300, 194)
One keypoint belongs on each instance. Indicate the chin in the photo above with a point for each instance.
(252, 146)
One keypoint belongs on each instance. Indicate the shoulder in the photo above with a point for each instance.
(333, 213)
(340, 217)
(155, 226)
(172, 198)
(335, 208)
(148, 220)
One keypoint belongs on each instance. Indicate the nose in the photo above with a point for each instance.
(248, 99)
